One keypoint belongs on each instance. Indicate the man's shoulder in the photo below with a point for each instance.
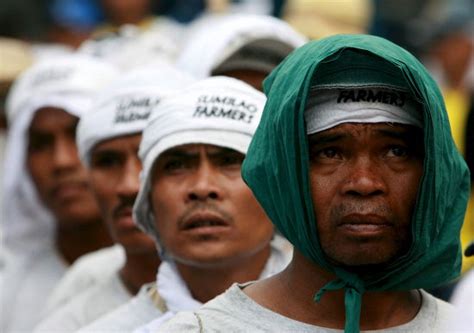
(437, 310)
(186, 321)
(108, 258)
(87, 306)
(138, 311)
(210, 316)
(234, 311)
(87, 271)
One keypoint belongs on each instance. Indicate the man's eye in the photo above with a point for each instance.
(231, 160)
(328, 153)
(106, 161)
(174, 165)
(38, 144)
(397, 151)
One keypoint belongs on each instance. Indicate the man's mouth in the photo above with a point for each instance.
(203, 220)
(123, 217)
(68, 190)
(364, 224)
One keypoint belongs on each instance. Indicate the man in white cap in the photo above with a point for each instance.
(108, 141)
(50, 216)
(245, 47)
(207, 224)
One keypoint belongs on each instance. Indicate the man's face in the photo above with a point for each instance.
(55, 169)
(364, 183)
(114, 177)
(205, 214)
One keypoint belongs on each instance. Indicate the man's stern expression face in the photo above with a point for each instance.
(204, 212)
(364, 183)
(53, 163)
(114, 176)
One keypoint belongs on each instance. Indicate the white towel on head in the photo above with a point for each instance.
(27, 226)
(214, 40)
(132, 47)
(125, 107)
(218, 111)
(68, 83)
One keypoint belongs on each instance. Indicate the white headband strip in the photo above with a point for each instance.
(327, 108)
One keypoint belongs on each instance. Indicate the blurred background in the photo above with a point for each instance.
(438, 32)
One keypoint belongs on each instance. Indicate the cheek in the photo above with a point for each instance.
(38, 171)
(249, 212)
(103, 194)
(405, 191)
(321, 194)
(164, 202)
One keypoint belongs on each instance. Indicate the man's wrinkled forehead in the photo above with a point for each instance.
(347, 130)
(45, 118)
(118, 143)
(193, 150)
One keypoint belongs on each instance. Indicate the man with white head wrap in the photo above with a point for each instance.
(50, 210)
(108, 141)
(208, 226)
(246, 47)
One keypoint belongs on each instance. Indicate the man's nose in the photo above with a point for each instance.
(203, 185)
(365, 178)
(129, 183)
(65, 155)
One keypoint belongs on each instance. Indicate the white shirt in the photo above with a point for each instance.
(26, 281)
(86, 272)
(463, 300)
(87, 307)
(141, 309)
(234, 311)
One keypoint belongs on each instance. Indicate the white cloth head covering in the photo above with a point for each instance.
(125, 107)
(219, 111)
(132, 47)
(329, 107)
(237, 41)
(64, 82)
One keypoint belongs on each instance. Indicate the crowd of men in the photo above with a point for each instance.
(246, 180)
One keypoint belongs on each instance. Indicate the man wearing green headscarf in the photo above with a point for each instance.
(354, 163)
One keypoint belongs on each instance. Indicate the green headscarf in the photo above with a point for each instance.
(277, 170)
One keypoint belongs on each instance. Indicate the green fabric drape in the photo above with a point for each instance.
(277, 170)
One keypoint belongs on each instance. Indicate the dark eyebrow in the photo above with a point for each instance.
(224, 151)
(179, 154)
(403, 134)
(325, 138)
(102, 151)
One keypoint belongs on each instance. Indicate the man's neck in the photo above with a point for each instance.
(205, 283)
(291, 293)
(140, 268)
(75, 242)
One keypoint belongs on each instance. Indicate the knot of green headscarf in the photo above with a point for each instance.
(354, 288)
